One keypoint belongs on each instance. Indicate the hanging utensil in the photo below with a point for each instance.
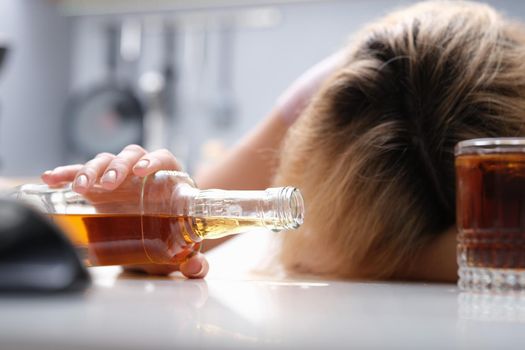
(159, 88)
(107, 116)
(223, 101)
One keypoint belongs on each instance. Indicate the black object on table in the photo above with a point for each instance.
(34, 254)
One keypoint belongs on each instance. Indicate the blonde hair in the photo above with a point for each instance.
(373, 152)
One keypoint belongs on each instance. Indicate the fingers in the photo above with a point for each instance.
(120, 166)
(61, 174)
(89, 174)
(195, 267)
(161, 159)
(111, 170)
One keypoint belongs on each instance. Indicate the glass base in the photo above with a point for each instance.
(484, 279)
(492, 307)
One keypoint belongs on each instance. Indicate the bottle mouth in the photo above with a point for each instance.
(291, 207)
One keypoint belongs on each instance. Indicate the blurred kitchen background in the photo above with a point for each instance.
(83, 76)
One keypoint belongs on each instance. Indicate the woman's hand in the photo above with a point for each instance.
(110, 171)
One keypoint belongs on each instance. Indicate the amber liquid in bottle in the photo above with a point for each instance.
(105, 239)
(491, 210)
(160, 219)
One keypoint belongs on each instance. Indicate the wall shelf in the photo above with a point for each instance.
(119, 7)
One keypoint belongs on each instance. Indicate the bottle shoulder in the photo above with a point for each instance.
(173, 176)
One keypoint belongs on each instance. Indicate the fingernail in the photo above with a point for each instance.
(195, 267)
(198, 274)
(81, 181)
(144, 163)
(201, 271)
(48, 172)
(110, 176)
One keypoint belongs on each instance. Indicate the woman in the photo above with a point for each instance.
(372, 151)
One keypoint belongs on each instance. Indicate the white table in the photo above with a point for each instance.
(235, 308)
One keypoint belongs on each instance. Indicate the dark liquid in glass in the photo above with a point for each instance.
(491, 210)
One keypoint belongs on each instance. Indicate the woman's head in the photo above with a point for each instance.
(373, 153)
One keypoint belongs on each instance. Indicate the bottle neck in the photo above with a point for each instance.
(276, 209)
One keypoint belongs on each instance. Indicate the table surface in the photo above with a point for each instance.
(237, 308)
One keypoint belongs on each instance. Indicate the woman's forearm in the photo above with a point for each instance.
(252, 162)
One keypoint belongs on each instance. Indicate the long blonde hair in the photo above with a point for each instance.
(373, 152)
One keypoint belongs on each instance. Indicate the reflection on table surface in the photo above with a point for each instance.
(235, 308)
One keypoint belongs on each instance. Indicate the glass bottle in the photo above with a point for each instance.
(161, 218)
